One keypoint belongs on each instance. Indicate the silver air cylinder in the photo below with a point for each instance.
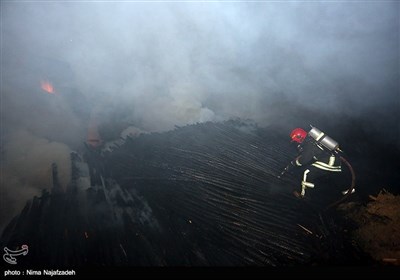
(323, 139)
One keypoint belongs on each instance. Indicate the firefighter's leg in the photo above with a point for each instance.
(346, 191)
(344, 182)
(305, 184)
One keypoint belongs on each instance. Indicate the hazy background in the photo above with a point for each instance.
(151, 66)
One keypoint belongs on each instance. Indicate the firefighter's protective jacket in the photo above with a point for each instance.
(314, 156)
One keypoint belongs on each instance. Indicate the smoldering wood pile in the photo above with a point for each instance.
(200, 195)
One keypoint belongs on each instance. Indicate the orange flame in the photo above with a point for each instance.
(47, 87)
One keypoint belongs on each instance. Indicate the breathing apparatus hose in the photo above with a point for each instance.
(350, 190)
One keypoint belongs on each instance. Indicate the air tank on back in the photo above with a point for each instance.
(323, 139)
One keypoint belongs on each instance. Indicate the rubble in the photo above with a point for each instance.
(376, 226)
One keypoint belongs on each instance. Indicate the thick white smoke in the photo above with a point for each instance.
(27, 170)
(156, 65)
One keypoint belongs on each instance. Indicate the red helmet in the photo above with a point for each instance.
(298, 135)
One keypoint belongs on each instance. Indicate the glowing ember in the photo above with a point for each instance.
(93, 136)
(47, 87)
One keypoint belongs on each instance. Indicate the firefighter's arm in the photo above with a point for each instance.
(305, 158)
(297, 162)
(287, 168)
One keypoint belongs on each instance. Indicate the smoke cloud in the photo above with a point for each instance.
(27, 169)
(151, 66)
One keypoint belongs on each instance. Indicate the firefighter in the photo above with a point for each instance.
(318, 156)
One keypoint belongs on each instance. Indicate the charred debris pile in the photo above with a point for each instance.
(374, 226)
(200, 195)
